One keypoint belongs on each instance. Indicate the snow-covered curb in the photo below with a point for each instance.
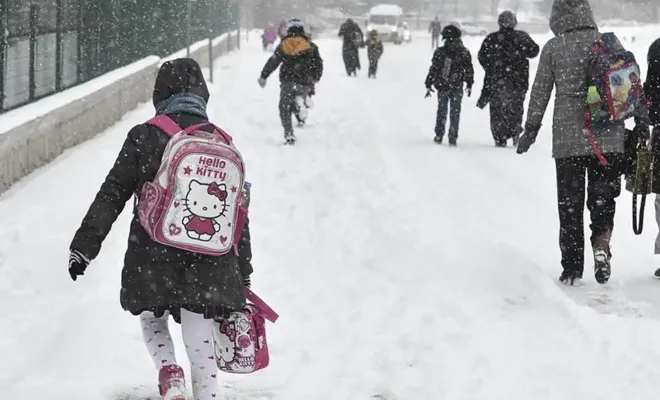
(35, 134)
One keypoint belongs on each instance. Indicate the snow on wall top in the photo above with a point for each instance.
(386, 9)
(23, 114)
(39, 108)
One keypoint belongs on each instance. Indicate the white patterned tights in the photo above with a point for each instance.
(196, 332)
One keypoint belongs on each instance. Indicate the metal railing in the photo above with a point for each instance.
(47, 46)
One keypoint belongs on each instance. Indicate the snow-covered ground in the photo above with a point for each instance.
(402, 270)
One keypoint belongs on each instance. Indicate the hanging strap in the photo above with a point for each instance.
(591, 139)
(265, 309)
(638, 223)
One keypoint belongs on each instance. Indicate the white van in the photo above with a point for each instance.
(386, 19)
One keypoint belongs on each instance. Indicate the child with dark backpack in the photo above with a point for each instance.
(189, 252)
(451, 68)
(301, 67)
(374, 52)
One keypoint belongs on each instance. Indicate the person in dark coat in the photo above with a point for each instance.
(451, 68)
(158, 280)
(301, 68)
(504, 56)
(374, 52)
(652, 93)
(352, 40)
(435, 29)
(652, 84)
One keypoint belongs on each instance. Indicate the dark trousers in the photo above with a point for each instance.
(602, 188)
(351, 59)
(288, 107)
(449, 99)
(435, 41)
(373, 66)
(507, 107)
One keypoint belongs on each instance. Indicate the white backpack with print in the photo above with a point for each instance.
(195, 201)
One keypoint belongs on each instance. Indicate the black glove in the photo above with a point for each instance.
(78, 263)
(247, 281)
(429, 90)
(527, 139)
(468, 90)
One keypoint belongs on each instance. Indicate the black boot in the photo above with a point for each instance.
(570, 277)
(438, 139)
(602, 267)
(602, 257)
(290, 138)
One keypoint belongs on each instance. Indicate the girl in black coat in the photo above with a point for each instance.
(158, 280)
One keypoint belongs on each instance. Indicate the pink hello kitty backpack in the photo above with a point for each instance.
(194, 203)
(240, 340)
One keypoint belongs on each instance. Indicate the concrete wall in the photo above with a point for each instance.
(66, 119)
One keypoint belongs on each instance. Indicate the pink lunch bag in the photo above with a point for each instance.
(240, 340)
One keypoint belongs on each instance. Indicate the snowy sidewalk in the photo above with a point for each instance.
(401, 270)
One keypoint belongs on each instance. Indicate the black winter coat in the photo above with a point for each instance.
(157, 277)
(374, 49)
(505, 55)
(652, 84)
(300, 61)
(460, 67)
(352, 35)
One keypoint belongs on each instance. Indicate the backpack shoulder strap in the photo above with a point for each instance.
(216, 131)
(171, 128)
(165, 124)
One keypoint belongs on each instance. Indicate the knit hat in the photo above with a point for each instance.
(450, 32)
(295, 26)
(507, 20)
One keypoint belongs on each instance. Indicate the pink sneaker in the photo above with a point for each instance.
(172, 383)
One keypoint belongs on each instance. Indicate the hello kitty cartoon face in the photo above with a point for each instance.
(227, 352)
(206, 201)
(225, 347)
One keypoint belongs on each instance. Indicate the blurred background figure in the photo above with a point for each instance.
(269, 37)
(435, 29)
